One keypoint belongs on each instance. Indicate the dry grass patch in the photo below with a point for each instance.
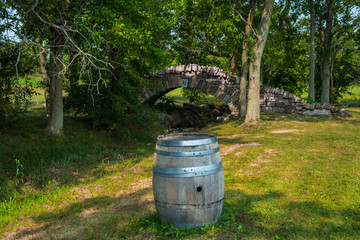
(225, 150)
(240, 154)
(285, 131)
(273, 151)
(231, 136)
(260, 159)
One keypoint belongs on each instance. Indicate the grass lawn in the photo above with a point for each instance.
(290, 177)
(353, 96)
(176, 95)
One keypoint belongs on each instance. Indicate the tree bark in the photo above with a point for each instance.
(56, 115)
(326, 74)
(244, 59)
(233, 60)
(44, 74)
(253, 107)
(261, 72)
(311, 95)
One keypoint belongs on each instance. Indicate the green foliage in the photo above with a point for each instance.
(193, 94)
(204, 29)
(12, 98)
(10, 101)
(165, 104)
(104, 106)
(130, 36)
(285, 61)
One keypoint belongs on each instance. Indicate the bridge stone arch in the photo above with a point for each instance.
(212, 80)
(222, 85)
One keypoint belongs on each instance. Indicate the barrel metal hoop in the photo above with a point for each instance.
(187, 154)
(186, 143)
(188, 171)
(200, 205)
(197, 206)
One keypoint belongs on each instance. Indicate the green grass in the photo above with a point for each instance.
(352, 95)
(301, 180)
(179, 99)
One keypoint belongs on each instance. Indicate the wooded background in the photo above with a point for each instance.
(95, 53)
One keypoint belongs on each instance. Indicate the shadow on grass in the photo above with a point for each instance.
(92, 218)
(133, 216)
(29, 156)
(297, 220)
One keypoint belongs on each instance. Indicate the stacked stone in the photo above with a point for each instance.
(280, 101)
(222, 85)
(209, 79)
(202, 72)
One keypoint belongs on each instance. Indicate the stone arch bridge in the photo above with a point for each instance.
(212, 80)
(222, 85)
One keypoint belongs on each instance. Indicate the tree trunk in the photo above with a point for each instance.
(56, 115)
(44, 74)
(253, 107)
(244, 59)
(311, 95)
(327, 54)
(261, 72)
(233, 60)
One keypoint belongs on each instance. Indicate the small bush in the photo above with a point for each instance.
(12, 99)
(193, 94)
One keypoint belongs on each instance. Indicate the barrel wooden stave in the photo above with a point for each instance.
(178, 200)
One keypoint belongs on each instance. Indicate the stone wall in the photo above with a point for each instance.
(277, 100)
(212, 80)
(222, 85)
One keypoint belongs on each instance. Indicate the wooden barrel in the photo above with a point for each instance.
(188, 179)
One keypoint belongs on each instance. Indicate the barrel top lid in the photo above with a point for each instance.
(186, 139)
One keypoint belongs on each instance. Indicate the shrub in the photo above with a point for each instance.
(193, 94)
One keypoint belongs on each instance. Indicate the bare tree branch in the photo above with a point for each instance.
(21, 91)
(242, 18)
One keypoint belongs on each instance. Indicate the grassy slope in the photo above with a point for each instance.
(291, 177)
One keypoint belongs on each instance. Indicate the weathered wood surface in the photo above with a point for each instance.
(188, 201)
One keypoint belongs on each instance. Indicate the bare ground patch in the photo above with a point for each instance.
(231, 136)
(285, 131)
(260, 159)
(227, 150)
(259, 136)
(257, 167)
(273, 151)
